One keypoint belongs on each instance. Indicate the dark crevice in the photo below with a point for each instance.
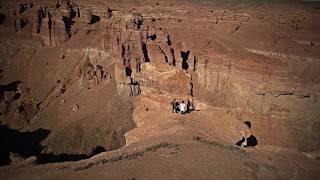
(118, 41)
(153, 37)
(138, 66)
(23, 23)
(2, 18)
(94, 19)
(109, 12)
(123, 51)
(236, 29)
(185, 57)
(194, 63)
(173, 57)
(22, 8)
(78, 13)
(68, 22)
(40, 16)
(67, 25)
(165, 56)
(16, 96)
(128, 71)
(124, 61)
(12, 87)
(50, 28)
(145, 52)
(191, 88)
(72, 13)
(138, 22)
(169, 40)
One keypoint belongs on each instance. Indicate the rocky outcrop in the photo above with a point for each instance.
(221, 58)
(267, 88)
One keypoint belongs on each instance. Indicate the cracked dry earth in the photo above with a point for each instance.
(86, 88)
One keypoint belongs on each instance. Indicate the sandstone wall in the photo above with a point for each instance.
(262, 63)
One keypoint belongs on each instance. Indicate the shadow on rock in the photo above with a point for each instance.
(51, 158)
(28, 144)
(2, 18)
(24, 143)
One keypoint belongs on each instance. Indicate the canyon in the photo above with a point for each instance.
(86, 87)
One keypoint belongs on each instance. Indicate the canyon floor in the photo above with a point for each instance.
(86, 88)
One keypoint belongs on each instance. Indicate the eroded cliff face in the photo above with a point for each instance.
(250, 61)
(259, 62)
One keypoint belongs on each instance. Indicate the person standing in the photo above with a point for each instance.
(173, 104)
(177, 107)
(189, 106)
(183, 107)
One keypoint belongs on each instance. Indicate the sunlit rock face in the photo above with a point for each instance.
(262, 63)
(231, 60)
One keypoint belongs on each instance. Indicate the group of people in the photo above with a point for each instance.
(183, 107)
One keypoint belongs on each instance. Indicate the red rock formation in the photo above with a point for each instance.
(243, 59)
